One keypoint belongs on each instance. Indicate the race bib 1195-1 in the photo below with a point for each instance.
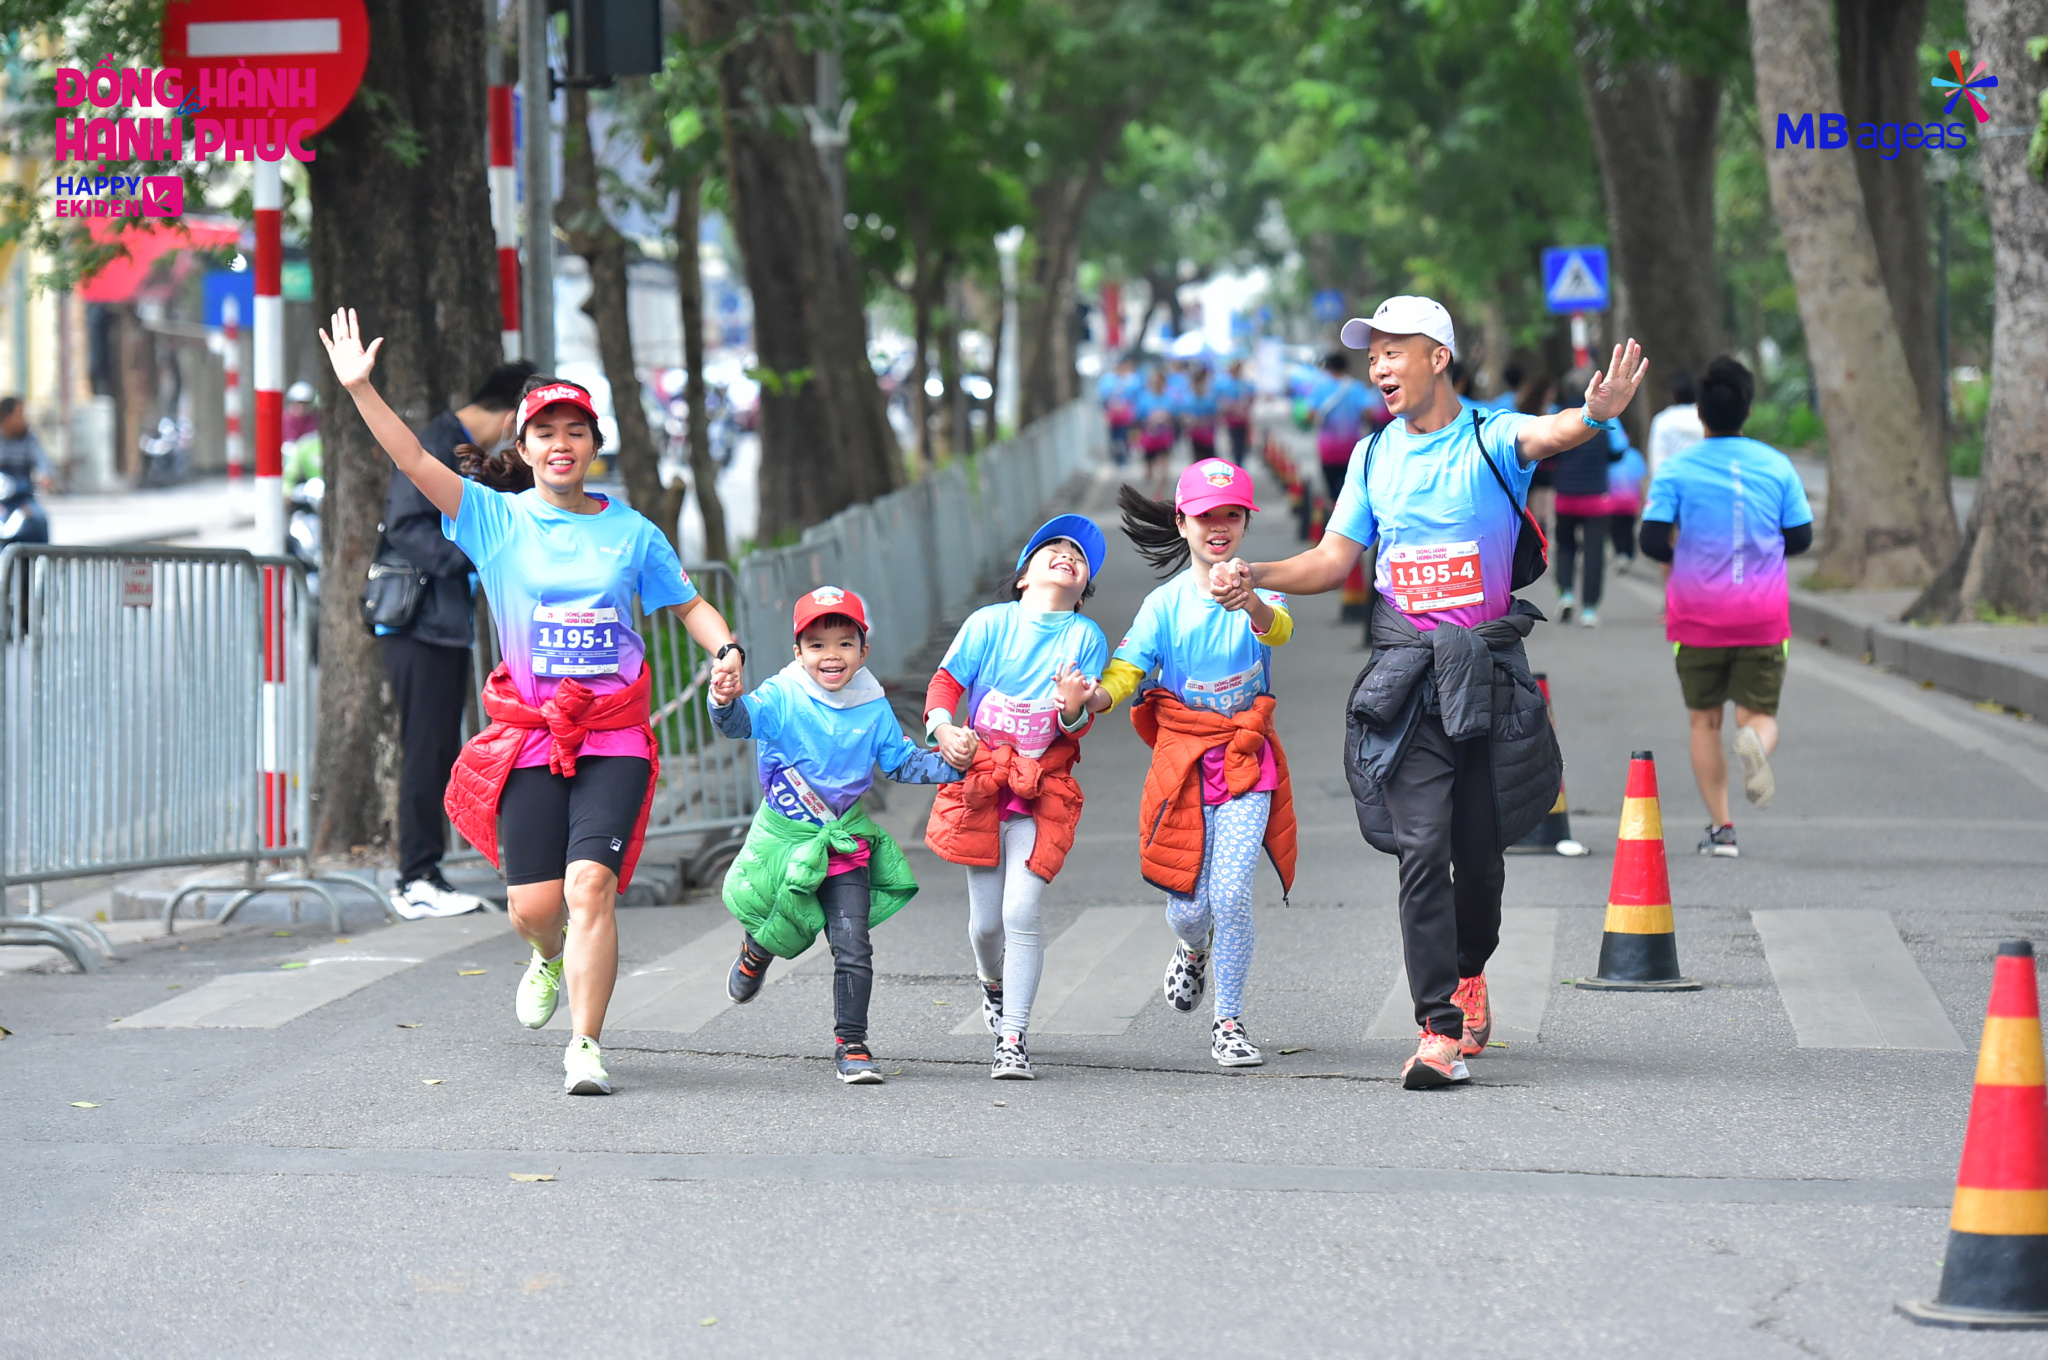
(571, 641)
(1421, 580)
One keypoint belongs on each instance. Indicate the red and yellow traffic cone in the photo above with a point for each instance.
(1639, 950)
(1554, 832)
(1996, 1271)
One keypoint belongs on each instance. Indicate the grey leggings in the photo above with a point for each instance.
(1002, 923)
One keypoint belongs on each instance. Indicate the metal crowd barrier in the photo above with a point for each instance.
(156, 709)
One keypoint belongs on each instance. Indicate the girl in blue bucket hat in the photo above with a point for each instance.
(1015, 692)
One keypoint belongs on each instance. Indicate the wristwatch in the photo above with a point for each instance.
(719, 655)
(1587, 416)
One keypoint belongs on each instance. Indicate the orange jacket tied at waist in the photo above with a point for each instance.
(1171, 829)
(966, 822)
(572, 713)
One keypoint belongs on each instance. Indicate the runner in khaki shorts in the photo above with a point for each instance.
(1726, 513)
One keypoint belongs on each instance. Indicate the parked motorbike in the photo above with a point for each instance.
(302, 543)
(21, 516)
(166, 455)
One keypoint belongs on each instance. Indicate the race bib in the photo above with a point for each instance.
(1122, 413)
(1440, 576)
(1027, 724)
(569, 641)
(1231, 694)
(790, 794)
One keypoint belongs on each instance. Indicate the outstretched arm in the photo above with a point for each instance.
(1607, 396)
(708, 629)
(352, 364)
(1321, 568)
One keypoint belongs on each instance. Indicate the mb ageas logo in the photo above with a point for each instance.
(1833, 131)
(1963, 86)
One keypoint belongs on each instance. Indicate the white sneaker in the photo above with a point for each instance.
(1759, 785)
(583, 1071)
(1589, 618)
(433, 897)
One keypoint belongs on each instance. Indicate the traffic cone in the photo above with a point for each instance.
(1639, 951)
(1555, 831)
(1996, 1271)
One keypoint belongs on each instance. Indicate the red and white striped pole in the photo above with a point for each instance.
(505, 216)
(269, 196)
(231, 376)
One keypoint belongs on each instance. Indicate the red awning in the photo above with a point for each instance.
(120, 280)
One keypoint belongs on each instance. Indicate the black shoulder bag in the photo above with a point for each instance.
(1532, 549)
(393, 591)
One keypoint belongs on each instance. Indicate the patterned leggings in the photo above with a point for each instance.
(1234, 833)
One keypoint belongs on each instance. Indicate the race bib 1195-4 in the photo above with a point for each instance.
(1421, 580)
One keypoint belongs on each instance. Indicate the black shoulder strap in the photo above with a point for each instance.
(1484, 457)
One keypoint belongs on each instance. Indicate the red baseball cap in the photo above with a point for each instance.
(1210, 483)
(554, 394)
(829, 600)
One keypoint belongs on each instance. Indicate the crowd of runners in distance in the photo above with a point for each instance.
(1451, 757)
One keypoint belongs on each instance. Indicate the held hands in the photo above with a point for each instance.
(352, 362)
(725, 680)
(1231, 583)
(1609, 393)
(956, 745)
(1074, 687)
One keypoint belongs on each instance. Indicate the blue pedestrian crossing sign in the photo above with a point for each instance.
(1575, 278)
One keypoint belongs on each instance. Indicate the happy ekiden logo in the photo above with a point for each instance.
(1831, 131)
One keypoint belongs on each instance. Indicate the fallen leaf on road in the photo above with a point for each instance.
(470, 972)
(543, 1282)
(280, 934)
(430, 1081)
(408, 1024)
(1297, 1050)
(175, 986)
(343, 939)
(708, 1322)
(4, 1031)
(295, 963)
(1001, 1103)
(532, 1176)
(941, 1003)
(897, 1073)
(85, 1104)
(1498, 1043)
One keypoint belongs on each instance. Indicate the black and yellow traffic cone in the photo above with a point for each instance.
(1996, 1272)
(1554, 832)
(1639, 949)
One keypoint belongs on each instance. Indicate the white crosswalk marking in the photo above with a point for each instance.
(1094, 970)
(1847, 982)
(268, 999)
(682, 992)
(1519, 981)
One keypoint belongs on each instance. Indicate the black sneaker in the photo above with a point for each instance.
(1185, 975)
(992, 1005)
(1720, 842)
(749, 971)
(857, 1065)
(1012, 1060)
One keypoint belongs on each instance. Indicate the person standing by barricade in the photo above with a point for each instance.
(569, 760)
(1234, 395)
(1444, 776)
(1726, 513)
(427, 655)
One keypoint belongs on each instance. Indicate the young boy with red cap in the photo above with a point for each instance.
(813, 859)
(1218, 789)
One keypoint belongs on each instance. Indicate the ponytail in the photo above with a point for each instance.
(1154, 530)
(503, 471)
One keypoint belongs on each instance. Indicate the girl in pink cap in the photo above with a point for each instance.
(1217, 790)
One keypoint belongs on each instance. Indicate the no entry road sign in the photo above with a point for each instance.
(331, 38)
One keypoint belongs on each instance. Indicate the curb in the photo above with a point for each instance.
(1922, 654)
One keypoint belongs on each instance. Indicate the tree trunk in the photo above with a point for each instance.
(401, 232)
(1653, 132)
(825, 437)
(690, 291)
(1046, 335)
(2003, 563)
(958, 441)
(1881, 83)
(921, 303)
(581, 216)
(1889, 520)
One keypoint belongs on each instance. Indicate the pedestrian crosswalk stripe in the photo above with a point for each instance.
(1847, 982)
(1519, 981)
(684, 991)
(1087, 955)
(268, 999)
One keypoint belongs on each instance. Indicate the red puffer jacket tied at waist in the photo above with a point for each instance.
(572, 713)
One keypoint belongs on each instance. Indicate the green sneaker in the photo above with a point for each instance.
(539, 990)
(583, 1069)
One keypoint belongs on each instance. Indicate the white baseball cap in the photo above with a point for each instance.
(1403, 315)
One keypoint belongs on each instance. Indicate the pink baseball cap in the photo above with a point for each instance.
(1210, 483)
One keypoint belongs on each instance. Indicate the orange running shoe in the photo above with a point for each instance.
(1471, 999)
(1436, 1063)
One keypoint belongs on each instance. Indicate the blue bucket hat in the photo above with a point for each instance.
(1080, 530)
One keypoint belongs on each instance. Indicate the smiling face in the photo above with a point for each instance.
(1406, 369)
(1213, 535)
(558, 445)
(831, 652)
(1060, 566)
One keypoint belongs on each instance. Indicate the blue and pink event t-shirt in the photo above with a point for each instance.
(561, 588)
(1444, 524)
(1732, 499)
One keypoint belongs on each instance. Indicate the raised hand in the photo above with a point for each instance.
(352, 363)
(1609, 393)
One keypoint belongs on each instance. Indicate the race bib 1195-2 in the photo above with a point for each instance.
(1027, 724)
(571, 641)
(1422, 580)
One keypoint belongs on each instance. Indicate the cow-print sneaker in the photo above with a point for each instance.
(1012, 1060)
(1230, 1046)
(1185, 976)
(992, 1005)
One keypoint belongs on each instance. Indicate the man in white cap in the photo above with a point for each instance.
(1449, 750)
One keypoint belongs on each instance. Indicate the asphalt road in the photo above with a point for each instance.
(1653, 1174)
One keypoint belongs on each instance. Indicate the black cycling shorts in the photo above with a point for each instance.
(550, 822)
